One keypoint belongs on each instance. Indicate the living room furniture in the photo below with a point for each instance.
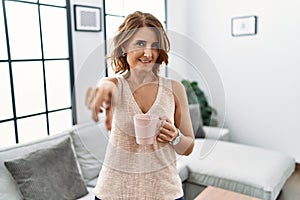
(248, 170)
(244, 169)
(214, 193)
(88, 142)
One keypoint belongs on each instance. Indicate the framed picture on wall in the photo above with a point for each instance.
(87, 18)
(243, 26)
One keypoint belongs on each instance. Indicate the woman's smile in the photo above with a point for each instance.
(142, 49)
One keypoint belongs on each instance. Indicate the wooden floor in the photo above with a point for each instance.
(291, 189)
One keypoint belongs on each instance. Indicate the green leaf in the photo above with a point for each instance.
(196, 95)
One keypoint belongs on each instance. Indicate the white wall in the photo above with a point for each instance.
(259, 73)
(88, 50)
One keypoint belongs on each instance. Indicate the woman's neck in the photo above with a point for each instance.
(138, 77)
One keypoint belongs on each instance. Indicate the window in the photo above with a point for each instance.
(36, 71)
(116, 10)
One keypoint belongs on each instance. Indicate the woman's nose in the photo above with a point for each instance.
(148, 52)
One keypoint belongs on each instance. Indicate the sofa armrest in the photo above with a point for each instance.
(216, 133)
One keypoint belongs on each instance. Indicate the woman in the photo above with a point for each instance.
(133, 171)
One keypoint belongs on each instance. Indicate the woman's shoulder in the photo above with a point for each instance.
(176, 85)
(167, 79)
(111, 79)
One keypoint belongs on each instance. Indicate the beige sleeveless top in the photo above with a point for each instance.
(138, 172)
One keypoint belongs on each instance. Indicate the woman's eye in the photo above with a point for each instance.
(141, 43)
(155, 46)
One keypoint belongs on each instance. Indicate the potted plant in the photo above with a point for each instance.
(196, 95)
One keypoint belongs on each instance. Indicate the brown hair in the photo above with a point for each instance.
(127, 30)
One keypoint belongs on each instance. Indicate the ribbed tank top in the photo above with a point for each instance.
(138, 172)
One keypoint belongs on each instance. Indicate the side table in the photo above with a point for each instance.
(214, 193)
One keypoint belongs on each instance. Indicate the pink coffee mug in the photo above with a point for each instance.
(146, 127)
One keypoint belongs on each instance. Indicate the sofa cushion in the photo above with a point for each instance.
(183, 171)
(90, 141)
(241, 168)
(93, 182)
(89, 196)
(9, 189)
(49, 173)
(197, 123)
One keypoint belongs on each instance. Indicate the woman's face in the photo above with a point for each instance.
(142, 49)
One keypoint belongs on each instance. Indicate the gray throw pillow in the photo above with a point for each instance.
(195, 114)
(49, 173)
(89, 164)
